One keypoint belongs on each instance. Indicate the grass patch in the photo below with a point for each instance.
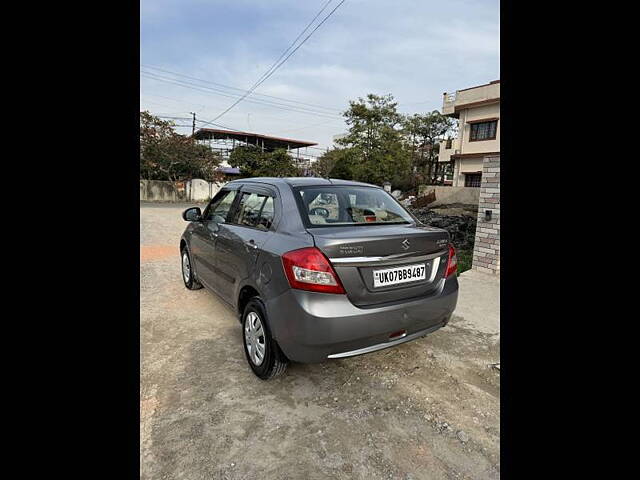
(465, 258)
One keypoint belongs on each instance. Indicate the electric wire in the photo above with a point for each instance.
(273, 70)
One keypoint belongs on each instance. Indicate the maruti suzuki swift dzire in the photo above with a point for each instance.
(319, 268)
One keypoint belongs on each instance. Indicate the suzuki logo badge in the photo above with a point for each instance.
(406, 244)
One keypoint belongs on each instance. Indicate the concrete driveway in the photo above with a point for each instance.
(428, 409)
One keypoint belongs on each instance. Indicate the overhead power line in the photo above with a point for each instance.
(306, 127)
(144, 93)
(299, 125)
(295, 41)
(221, 85)
(301, 43)
(217, 91)
(214, 91)
(279, 63)
(218, 125)
(174, 118)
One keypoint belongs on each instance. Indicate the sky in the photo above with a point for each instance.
(414, 50)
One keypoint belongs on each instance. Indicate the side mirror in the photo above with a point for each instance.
(193, 214)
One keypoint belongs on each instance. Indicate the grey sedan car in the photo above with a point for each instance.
(319, 268)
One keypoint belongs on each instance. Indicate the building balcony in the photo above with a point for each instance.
(470, 97)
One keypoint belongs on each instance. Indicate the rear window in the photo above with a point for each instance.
(338, 205)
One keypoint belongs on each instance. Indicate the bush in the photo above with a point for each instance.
(465, 259)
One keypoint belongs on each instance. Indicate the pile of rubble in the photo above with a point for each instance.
(461, 226)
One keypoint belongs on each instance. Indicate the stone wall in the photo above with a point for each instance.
(446, 195)
(486, 251)
(159, 191)
(196, 190)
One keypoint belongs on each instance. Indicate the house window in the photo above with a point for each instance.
(449, 144)
(472, 179)
(483, 131)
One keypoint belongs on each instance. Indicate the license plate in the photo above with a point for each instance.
(397, 275)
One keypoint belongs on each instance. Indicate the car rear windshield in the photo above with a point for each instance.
(346, 205)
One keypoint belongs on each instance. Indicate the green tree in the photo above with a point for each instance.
(346, 164)
(325, 165)
(423, 133)
(280, 164)
(154, 135)
(167, 155)
(376, 144)
(253, 162)
(248, 159)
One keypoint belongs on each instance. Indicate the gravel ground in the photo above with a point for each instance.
(428, 409)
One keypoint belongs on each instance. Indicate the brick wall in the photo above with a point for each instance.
(486, 251)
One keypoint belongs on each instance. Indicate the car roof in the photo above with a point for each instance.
(301, 181)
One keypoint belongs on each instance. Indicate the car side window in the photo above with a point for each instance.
(249, 208)
(267, 214)
(219, 209)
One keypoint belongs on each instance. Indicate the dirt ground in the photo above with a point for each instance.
(428, 409)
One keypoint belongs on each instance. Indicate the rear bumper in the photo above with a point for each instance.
(311, 327)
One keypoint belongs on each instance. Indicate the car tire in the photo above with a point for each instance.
(262, 352)
(188, 276)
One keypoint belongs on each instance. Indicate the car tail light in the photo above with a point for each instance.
(309, 269)
(452, 262)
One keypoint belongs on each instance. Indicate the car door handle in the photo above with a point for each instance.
(251, 244)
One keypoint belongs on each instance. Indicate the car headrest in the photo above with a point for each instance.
(317, 219)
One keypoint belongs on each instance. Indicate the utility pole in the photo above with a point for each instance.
(193, 126)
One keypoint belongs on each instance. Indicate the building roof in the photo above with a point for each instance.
(478, 96)
(478, 86)
(269, 142)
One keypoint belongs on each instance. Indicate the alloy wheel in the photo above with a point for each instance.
(186, 267)
(254, 338)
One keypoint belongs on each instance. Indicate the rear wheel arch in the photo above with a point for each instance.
(275, 361)
(246, 293)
